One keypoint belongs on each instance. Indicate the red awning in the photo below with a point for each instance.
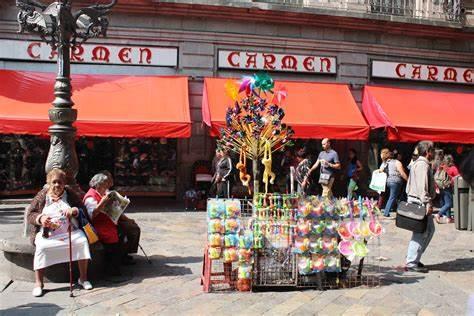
(414, 115)
(108, 105)
(314, 110)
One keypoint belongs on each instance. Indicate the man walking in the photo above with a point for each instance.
(420, 190)
(329, 161)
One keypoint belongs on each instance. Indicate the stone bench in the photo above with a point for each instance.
(18, 255)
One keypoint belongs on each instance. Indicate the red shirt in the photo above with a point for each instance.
(103, 225)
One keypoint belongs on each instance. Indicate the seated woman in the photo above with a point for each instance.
(47, 214)
(95, 201)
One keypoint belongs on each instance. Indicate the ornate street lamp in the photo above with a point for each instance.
(61, 29)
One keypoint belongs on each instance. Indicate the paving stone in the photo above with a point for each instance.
(357, 309)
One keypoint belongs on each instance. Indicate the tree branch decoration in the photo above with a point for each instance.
(254, 122)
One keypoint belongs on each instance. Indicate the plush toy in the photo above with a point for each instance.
(242, 167)
(268, 175)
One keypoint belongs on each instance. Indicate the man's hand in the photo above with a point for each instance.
(218, 178)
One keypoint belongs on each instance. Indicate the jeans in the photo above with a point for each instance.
(419, 242)
(394, 188)
(447, 201)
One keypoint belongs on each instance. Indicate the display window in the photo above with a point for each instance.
(139, 166)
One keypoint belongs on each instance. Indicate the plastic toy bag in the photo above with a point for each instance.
(215, 252)
(215, 208)
(232, 208)
(246, 240)
(215, 240)
(303, 227)
(245, 255)
(230, 255)
(332, 263)
(317, 263)
(231, 240)
(301, 245)
(215, 226)
(245, 272)
(232, 226)
(304, 265)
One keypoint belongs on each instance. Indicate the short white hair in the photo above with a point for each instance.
(97, 180)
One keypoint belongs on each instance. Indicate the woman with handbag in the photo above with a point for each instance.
(395, 177)
(421, 191)
(48, 216)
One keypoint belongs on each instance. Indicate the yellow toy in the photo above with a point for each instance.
(242, 166)
(267, 163)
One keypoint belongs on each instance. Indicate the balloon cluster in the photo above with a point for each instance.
(255, 117)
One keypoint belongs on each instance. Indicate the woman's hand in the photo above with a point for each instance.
(45, 221)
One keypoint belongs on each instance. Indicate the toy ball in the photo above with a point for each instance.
(214, 252)
(215, 240)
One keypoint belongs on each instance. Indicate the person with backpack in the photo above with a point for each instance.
(444, 180)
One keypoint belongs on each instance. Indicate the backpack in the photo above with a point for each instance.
(442, 179)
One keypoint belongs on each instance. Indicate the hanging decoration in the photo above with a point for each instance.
(254, 120)
(242, 167)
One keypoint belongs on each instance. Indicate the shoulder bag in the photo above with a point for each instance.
(87, 227)
(412, 217)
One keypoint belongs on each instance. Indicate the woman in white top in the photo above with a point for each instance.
(48, 214)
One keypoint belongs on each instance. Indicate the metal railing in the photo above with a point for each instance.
(440, 10)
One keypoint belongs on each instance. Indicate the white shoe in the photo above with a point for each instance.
(86, 285)
(37, 291)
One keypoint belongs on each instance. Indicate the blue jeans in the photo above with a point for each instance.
(394, 188)
(419, 242)
(447, 200)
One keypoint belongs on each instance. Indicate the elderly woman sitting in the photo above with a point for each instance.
(48, 215)
(95, 201)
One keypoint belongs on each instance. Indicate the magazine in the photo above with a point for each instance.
(116, 205)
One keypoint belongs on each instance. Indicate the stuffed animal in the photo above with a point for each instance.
(268, 175)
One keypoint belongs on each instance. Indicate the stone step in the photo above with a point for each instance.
(26, 201)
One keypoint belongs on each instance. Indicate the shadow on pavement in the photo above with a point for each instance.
(393, 275)
(32, 309)
(457, 265)
(161, 266)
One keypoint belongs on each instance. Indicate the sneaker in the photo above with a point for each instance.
(417, 269)
(437, 218)
(86, 285)
(128, 260)
(450, 220)
(421, 265)
(37, 291)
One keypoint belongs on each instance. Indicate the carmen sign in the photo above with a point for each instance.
(276, 62)
(420, 72)
(92, 53)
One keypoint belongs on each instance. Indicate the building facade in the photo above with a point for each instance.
(400, 43)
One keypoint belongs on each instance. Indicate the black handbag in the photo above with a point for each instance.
(412, 217)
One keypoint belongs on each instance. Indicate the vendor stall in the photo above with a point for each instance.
(290, 240)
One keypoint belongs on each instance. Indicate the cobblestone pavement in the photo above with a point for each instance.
(171, 284)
